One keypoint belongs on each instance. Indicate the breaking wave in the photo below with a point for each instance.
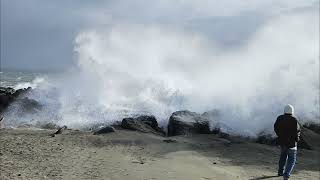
(128, 69)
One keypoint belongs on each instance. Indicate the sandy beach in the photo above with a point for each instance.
(131, 155)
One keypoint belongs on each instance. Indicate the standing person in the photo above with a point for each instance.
(288, 132)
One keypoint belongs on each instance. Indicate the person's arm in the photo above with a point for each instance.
(276, 127)
(298, 131)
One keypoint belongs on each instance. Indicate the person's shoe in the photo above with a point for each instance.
(280, 172)
(285, 177)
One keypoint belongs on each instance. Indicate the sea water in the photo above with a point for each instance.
(17, 79)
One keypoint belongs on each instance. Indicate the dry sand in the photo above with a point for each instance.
(128, 155)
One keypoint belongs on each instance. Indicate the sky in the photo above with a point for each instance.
(40, 34)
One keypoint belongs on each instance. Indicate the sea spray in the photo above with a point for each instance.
(127, 69)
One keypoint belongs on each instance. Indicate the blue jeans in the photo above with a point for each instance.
(287, 161)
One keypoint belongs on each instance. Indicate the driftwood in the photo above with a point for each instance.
(1, 121)
(60, 130)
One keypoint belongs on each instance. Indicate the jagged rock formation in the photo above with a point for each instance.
(144, 123)
(187, 122)
(9, 95)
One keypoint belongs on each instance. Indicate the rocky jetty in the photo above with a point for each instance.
(104, 130)
(180, 122)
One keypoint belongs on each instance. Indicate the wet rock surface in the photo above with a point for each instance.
(105, 130)
(266, 139)
(187, 122)
(312, 126)
(9, 95)
(27, 105)
(309, 139)
(144, 123)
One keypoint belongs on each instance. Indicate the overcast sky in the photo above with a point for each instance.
(39, 34)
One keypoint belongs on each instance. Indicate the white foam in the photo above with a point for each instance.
(34, 84)
(132, 69)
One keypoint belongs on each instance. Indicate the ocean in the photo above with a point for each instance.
(18, 79)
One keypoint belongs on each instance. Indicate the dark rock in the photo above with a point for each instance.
(9, 95)
(146, 124)
(312, 126)
(309, 139)
(4, 99)
(169, 140)
(304, 145)
(223, 135)
(7, 90)
(138, 161)
(105, 130)
(21, 92)
(27, 105)
(266, 139)
(186, 122)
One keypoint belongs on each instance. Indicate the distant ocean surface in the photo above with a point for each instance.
(18, 79)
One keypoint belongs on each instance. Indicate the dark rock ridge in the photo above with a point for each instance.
(308, 139)
(27, 105)
(187, 122)
(264, 138)
(9, 95)
(144, 123)
(312, 126)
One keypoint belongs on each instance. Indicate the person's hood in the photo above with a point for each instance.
(288, 109)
